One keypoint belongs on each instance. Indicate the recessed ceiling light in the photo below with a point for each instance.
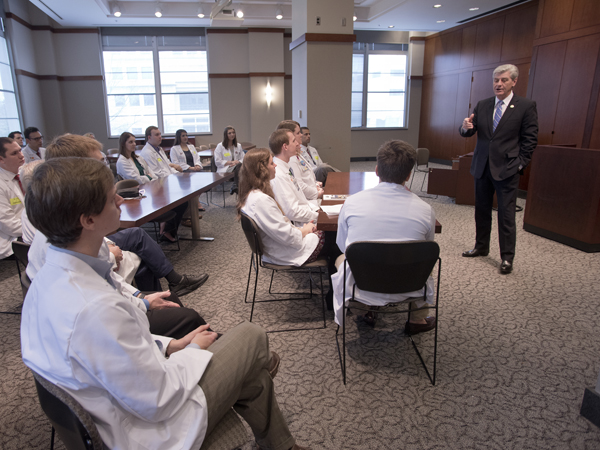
(390, 26)
(200, 12)
(240, 14)
(440, 21)
(279, 14)
(473, 9)
(158, 11)
(116, 11)
(437, 6)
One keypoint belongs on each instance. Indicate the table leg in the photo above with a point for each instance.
(195, 218)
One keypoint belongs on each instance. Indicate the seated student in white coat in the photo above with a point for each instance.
(159, 164)
(286, 188)
(129, 165)
(305, 176)
(142, 390)
(387, 212)
(311, 155)
(11, 194)
(229, 156)
(284, 243)
(185, 154)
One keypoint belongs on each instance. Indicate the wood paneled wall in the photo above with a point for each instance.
(556, 46)
(458, 73)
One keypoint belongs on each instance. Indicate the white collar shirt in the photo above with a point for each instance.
(290, 197)
(505, 104)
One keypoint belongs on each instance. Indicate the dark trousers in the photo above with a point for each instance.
(506, 191)
(173, 322)
(154, 264)
(173, 225)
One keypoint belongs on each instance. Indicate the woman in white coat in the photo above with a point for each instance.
(129, 165)
(229, 156)
(185, 154)
(283, 243)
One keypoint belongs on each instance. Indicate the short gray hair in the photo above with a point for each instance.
(512, 70)
(26, 172)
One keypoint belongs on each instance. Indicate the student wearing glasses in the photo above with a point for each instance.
(33, 151)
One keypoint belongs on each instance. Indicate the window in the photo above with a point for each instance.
(9, 112)
(156, 80)
(379, 85)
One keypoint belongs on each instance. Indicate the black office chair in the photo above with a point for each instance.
(20, 250)
(213, 168)
(422, 160)
(254, 241)
(391, 268)
(77, 430)
(130, 188)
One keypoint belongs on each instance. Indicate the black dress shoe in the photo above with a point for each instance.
(476, 252)
(416, 328)
(187, 285)
(506, 267)
(233, 190)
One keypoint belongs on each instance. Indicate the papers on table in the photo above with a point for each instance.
(336, 197)
(332, 210)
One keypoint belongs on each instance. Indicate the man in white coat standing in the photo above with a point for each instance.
(143, 391)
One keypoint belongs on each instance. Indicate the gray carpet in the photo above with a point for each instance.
(515, 352)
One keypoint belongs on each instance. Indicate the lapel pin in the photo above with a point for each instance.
(512, 106)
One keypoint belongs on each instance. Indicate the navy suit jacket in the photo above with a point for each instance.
(513, 142)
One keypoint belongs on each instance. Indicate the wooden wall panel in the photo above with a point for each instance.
(488, 47)
(586, 13)
(576, 87)
(595, 137)
(545, 89)
(518, 34)
(429, 54)
(447, 52)
(459, 144)
(556, 16)
(467, 54)
(523, 80)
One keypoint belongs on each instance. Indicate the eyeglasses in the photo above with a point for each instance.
(37, 138)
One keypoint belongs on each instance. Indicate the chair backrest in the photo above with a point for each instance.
(422, 156)
(392, 267)
(112, 151)
(213, 165)
(251, 231)
(21, 249)
(203, 147)
(73, 424)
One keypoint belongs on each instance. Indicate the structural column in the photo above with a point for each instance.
(322, 37)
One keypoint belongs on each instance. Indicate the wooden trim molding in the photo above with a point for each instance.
(247, 75)
(322, 37)
(59, 77)
(226, 31)
(23, 22)
(287, 77)
(267, 74)
(415, 77)
(416, 38)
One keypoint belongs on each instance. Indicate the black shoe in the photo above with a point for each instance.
(416, 328)
(476, 252)
(506, 267)
(187, 285)
(233, 190)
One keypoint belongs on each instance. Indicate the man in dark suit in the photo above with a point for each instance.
(507, 128)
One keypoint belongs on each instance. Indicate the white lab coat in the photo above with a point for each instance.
(290, 197)
(311, 155)
(31, 156)
(387, 212)
(12, 203)
(80, 334)
(158, 162)
(305, 176)
(282, 241)
(223, 155)
(178, 156)
(127, 169)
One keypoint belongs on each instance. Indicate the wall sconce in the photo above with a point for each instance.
(116, 10)
(269, 93)
(158, 10)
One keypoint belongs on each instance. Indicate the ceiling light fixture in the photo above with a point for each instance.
(437, 6)
(473, 9)
(390, 26)
(158, 11)
(200, 12)
(279, 14)
(240, 14)
(440, 21)
(116, 10)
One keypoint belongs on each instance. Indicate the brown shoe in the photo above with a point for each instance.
(416, 328)
(274, 364)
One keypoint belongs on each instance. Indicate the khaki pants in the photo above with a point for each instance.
(238, 376)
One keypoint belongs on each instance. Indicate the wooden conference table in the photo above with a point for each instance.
(341, 183)
(164, 194)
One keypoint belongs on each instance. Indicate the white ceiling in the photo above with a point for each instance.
(404, 15)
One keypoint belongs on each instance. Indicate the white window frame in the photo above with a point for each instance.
(11, 64)
(366, 50)
(155, 49)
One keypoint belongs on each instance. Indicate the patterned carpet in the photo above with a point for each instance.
(515, 352)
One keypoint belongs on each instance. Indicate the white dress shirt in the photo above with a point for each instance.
(31, 156)
(157, 161)
(80, 334)
(283, 243)
(178, 156)
(127, 169)
(290, 197)
(12, 203)
(305, 177)
(505, 104)
(387, 212)
(223, 155)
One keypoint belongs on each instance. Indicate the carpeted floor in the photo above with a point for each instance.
(515, 352)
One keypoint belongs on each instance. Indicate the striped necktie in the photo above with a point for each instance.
(498, 114)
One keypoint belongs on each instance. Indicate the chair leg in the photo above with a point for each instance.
(424, 178)
(249, 273)
(323, 298)
(254, 296)
(52, 439)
